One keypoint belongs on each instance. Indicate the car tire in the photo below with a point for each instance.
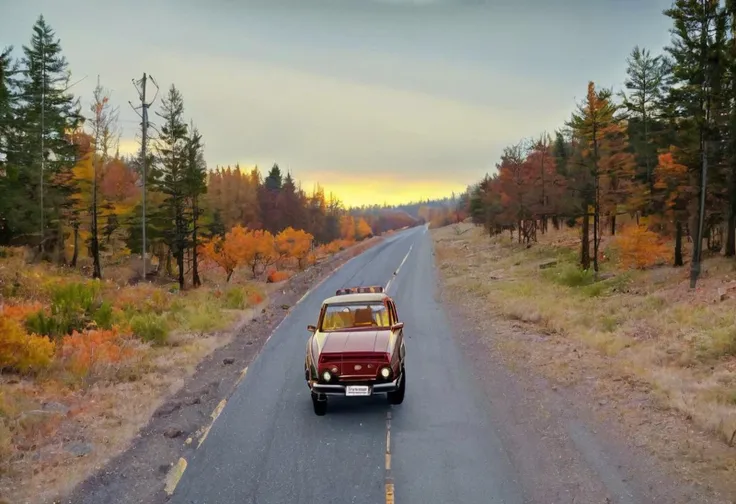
(398, 396)
(320, 407)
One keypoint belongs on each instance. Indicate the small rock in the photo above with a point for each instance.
(284, 306)
(168, 408)
(172, 432)
(190, 401)
(79, 449)
(602, 402)
(228, 360)
(263, 310)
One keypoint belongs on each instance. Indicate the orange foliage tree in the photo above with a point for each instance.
(259, 250)
(347, 227)
(362, 229)
(673, 192)
(640, 248)
(227, 253)
(295, 244)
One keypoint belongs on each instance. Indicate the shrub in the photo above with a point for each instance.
(74, 306)
(20, 312)
(639, 248)
(95, 354)
(22, 352)
(278, 276)
(234, 299)
(150, 327)
(571, 276)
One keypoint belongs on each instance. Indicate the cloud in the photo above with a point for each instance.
(329, 129)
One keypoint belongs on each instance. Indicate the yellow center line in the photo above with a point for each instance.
(390, 493)
(389, 480)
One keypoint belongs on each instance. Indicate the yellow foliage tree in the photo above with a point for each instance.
(294, 243)
(640, 248)
(347, 227)
(227, 253)
(259, 250)
(362, 229)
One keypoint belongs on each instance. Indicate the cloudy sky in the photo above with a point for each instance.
(377, 100)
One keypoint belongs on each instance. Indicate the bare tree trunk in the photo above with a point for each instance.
(585, 243)
(678, 244)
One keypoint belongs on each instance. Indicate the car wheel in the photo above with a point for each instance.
(320, 407)
(398, 396)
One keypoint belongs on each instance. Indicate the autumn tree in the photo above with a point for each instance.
(347, 227)
(103, 125)
(362, 229)
(605, 156)
(259, 250)
(294, 243)
(673, 191)
(228, 252)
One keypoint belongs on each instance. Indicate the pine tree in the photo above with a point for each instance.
(8, 102)
(196, 186)
(646, 80)
(697, 52)
(171, 148)
(44, 153)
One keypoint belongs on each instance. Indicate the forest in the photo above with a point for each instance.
(661, 152)
(68, 193)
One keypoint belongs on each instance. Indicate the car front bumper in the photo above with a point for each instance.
(339, 389)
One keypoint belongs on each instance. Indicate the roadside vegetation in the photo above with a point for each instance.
(610, 250)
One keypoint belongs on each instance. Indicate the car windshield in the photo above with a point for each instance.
(355, 315)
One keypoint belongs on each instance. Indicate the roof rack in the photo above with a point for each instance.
(359, 290)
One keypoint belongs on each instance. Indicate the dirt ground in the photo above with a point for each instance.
(645, 380)
(123, 438)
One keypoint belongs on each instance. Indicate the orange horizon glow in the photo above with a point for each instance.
(374, 188)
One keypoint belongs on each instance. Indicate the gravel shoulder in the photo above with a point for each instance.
(139, 473)
(577, 430)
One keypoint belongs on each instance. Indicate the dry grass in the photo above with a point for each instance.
(642, 328)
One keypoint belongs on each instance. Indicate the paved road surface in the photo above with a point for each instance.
(268, 447)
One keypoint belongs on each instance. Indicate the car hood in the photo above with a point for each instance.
(357, 341)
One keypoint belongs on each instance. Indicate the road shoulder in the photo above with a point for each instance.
(570, 441)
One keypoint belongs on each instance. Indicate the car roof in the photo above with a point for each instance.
(360, 297)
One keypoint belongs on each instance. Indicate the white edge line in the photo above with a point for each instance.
(399, 268)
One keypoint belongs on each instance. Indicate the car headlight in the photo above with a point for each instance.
(385, 372)
(326, 376)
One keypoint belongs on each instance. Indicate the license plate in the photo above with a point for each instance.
(357, 390)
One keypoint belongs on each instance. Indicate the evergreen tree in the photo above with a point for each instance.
(44, 154)
(196, 186)
(646, 79)
(8, 101)
(171, 148)
(697, 53)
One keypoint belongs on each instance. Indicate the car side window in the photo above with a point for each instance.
(392, 308)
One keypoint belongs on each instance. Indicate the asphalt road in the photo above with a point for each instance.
(268, 447)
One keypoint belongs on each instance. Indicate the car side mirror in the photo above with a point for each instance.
(311, 328)
(397, 326)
